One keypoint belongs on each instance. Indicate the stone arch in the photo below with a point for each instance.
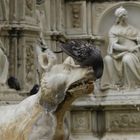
(107, 19)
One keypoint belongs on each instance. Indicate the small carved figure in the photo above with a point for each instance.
(122, 64)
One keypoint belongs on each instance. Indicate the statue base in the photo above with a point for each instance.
(110, 115)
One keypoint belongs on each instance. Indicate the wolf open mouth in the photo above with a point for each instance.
(81, 85)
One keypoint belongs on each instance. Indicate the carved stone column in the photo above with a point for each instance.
(13, 52)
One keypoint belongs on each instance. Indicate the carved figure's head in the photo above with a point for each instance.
(120, 12)
(59, 79)
(121, 16)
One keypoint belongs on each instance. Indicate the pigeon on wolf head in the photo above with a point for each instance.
(86, 54)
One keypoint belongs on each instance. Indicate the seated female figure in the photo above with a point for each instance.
(122, 64)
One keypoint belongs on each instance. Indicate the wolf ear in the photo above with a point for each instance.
(47, 59)
(69, 60)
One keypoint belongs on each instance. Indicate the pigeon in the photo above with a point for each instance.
(13, 83)
(86, 54)
(34, 90)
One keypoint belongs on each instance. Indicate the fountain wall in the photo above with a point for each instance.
(100, 116)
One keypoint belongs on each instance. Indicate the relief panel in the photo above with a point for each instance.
(29, 7)
(42, 14)
(80, 121)
(123, 121)
(30, 11)
(76, 17)
(97, 12)
(30, 65)
(99, 8)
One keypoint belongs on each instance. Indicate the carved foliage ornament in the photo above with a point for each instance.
(126, 121)
(76, 15)
(30, 67)
(81, 121)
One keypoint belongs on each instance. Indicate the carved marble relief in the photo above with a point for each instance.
(99, 9)
(29, 7)
(97, 12)
(76, 17)
(30, 66)
(123, 121)
(30, 11)
(41, 19)
(81, 121)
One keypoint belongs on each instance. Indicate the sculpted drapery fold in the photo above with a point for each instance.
(122, 64)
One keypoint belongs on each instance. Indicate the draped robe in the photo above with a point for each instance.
(122, 68)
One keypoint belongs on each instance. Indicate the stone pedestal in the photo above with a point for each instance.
(107, 116)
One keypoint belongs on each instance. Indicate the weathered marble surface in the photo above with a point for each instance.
(83, 20)
(41, 116)
(113, 115)
(122, 62)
